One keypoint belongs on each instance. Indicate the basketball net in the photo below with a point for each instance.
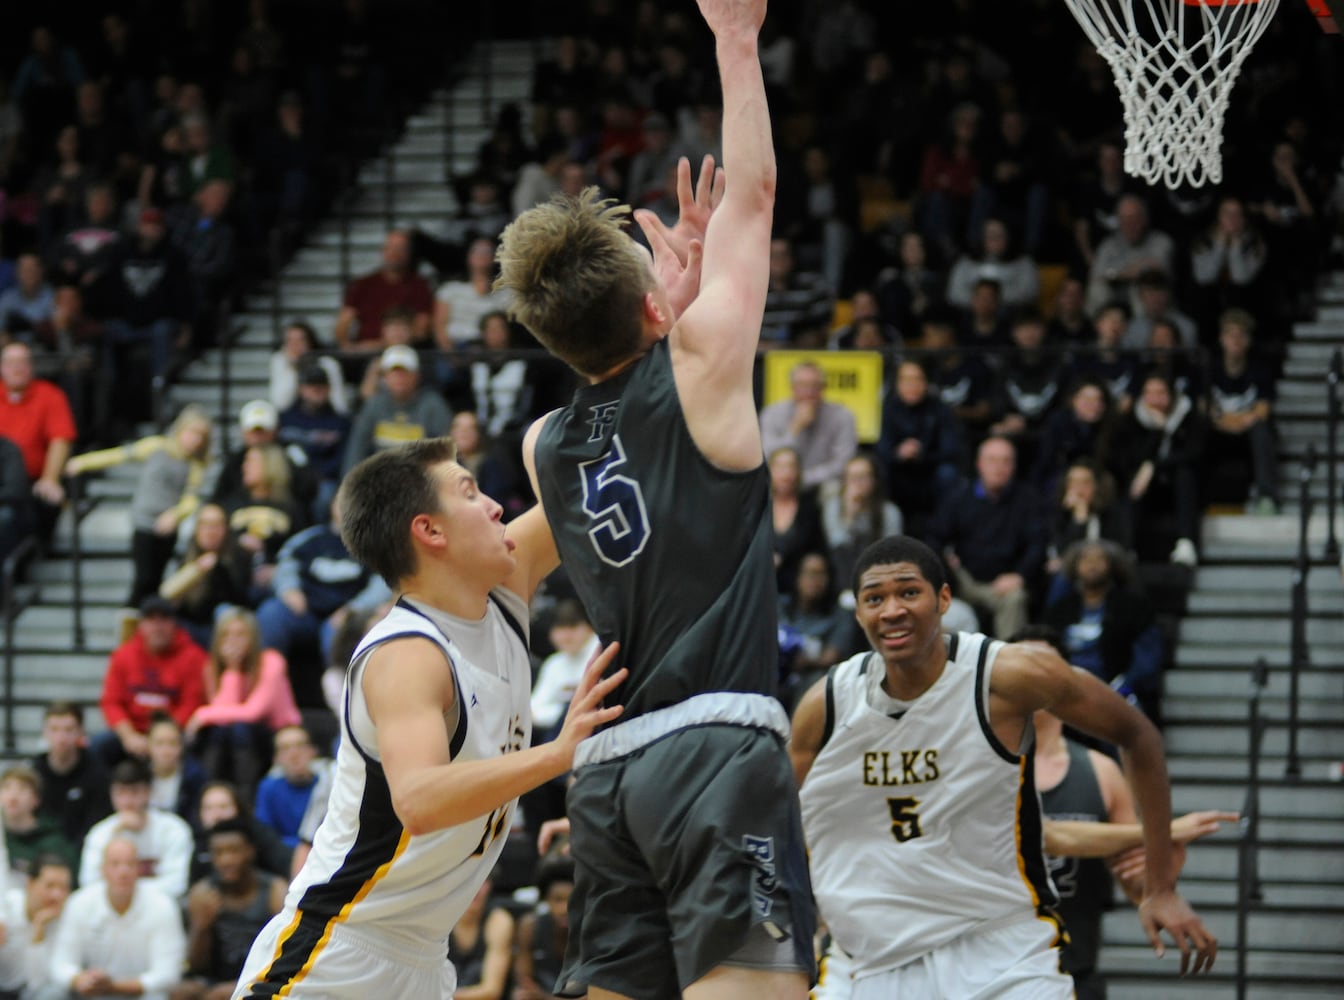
(1174, 63)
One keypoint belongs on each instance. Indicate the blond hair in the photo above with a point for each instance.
(578, 279)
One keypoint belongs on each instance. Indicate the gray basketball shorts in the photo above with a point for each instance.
(688, 855)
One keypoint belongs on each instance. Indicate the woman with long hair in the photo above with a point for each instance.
(856, 514)
(263, 512)
(248, 699)
(214, 574)
(796, 517)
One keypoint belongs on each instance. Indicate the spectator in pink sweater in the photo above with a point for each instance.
(248, 699)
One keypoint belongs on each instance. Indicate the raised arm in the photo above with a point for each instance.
(535, 548)
(1025, 679)
(714, 341)
(809, 723)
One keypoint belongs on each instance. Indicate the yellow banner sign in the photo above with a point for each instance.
(853, 379)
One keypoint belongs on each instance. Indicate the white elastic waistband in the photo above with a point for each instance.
(717, 708)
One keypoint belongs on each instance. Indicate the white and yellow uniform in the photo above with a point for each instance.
(924, 837)
(370, 912)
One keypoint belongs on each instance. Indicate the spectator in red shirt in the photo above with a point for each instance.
(35, 415)
(368, 299)
(158, 669)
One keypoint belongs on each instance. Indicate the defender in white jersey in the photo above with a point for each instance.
(435, 730)
(919, 806)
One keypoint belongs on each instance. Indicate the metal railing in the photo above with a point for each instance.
(1298, 656)
(81, 506)
(10, 608)
(1332, 379)
(1249, 894)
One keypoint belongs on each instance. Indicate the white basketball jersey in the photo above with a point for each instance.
(920, 825)
(365, 869)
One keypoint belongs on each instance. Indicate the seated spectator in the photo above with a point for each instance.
(259, 424)
(221, 801)
(61, 186)
(1282, 201)
(121, 934)
(166, 493)
(1094, 206)
(1107, 625)
(992, 534)
(1018, 281)
(1087, 509)
(157, 669)
(796, 517)
(1159, 451)
(86, 250)
(502, 386)
(148, 302)
(497, 475)
(315, 427)
(29, 304)
(919, 450)
(1153, 294)
(1016, 165)
(1029, 381)
(214, 575)
(543, 934)
(15, 498)
(854, 514)
(949, 175)
(984, 327)
(287, 181)
(1184, 369)
(1130, 251)
(1226, 261)
(402, 410)
(575, 644)
(263, 512)
(648, 167)
(35, 415)
(368, 299)
(32, 917)
(225, 911)
(283, 795)
(866, 330)
(816, 632)
(398, 330)
(480, 946)
(1107, 361)
(817, 208)
(822, 434)
(161, 840)
(28, 833)
(460, 305)
(1080, 430)
(70, 347)
(1241, 410)
(178, 776)
(297, 347)
(318, 584)
(1069, 325)
(539, 179)
(203, 235)
(795, 300)
(910, 295)
(962, 380)
(74, 781)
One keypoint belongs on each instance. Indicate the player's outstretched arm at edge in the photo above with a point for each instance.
(534, 543)
(1070, 838)
(714, 341)
(809, 723)
(408, 686)
(1026, 679)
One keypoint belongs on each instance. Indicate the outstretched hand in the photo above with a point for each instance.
(586, 711)
(677, 252)
(733, 15)
(1194, 825)
(1167, 911)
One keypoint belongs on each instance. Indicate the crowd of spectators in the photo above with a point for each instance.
(1067, 353)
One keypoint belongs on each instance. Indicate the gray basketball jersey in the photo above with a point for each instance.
(920, 825)
(669, 554)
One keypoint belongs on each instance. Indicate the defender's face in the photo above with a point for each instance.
(900, 612)
(475, 524)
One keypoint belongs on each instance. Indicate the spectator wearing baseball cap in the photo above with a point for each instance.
(401, 410)
(259, 424)
(314, 426)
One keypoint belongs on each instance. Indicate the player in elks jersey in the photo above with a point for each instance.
(922, 819)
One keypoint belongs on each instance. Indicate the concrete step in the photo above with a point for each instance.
(1235, 771)
(1315, 331)
(1190, 655)
(1135, 973)
(1234, 709)
(1321, 631)
(1315, 351)
(1312, 799)
(1323, 580)
(1307, 865)
(1231, 741)
(1244, 603)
